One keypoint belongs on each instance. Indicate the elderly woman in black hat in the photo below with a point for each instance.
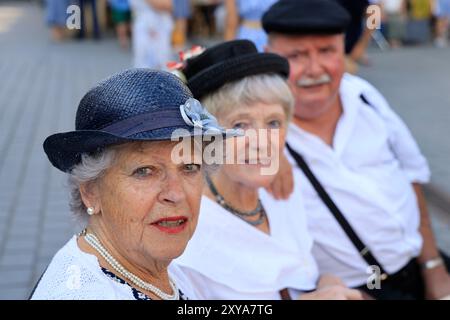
(140, 206)
(247, 244)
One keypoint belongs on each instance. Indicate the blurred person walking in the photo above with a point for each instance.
(121, 16)
(56, 17)
(181, 13)
(243, 20)
(95, 24)
(419, 21)
(442, 13)
(396, 15)
(152, 32)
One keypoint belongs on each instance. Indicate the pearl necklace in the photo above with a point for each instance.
(95, 243)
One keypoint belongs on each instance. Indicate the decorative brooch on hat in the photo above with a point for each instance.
(194, 114)
(176, 67)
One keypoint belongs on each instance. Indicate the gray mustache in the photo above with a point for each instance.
(307, 82)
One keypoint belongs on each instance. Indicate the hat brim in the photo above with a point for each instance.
(64, 150)
(215, 76)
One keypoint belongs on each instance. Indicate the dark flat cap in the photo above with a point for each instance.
(230, 61)
(306, 17)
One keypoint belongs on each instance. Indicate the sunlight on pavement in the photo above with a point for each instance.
(8, 17)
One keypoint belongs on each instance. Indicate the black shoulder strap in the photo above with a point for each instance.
(367, 102)
(363, 250)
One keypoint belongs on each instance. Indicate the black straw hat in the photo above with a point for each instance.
(306, 17)
(227, 62)
(134, 105)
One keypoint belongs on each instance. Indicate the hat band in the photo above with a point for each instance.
(146, 122)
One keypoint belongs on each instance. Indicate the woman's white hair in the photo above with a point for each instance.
(90, 168)
(265, 88)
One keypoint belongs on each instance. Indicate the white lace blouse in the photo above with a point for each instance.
(75, 275)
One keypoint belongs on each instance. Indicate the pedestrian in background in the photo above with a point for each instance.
(56, 17)
(121, 17)
(442, 13)
(152, 32)
(95, 24)
(396, 15)
(181, 13)
(243, 20)
(419, 21)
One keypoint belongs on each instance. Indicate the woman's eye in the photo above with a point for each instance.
(240, 125)
(143, 172)
(275, 124)
(192, 167)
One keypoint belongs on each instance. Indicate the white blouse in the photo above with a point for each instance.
(228, 258)
(76, 275)
(152, 31)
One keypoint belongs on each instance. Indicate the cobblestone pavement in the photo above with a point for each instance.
(41, 84)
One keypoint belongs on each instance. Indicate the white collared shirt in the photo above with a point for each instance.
(368, 173)
(228, 259)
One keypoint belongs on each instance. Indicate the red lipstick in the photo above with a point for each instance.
(171, 225)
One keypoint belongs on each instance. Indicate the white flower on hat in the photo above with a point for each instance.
(194, 114)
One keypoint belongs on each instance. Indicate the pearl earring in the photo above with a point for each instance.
(90, 211)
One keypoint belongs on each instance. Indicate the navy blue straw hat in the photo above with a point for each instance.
(133, 105)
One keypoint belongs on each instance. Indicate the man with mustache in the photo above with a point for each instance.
(360, 168)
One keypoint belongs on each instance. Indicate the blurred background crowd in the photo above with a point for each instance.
(156, 29)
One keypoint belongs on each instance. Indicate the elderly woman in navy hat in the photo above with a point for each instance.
(140, 206)
(247, 244)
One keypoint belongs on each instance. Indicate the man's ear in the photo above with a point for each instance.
(90, 195)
